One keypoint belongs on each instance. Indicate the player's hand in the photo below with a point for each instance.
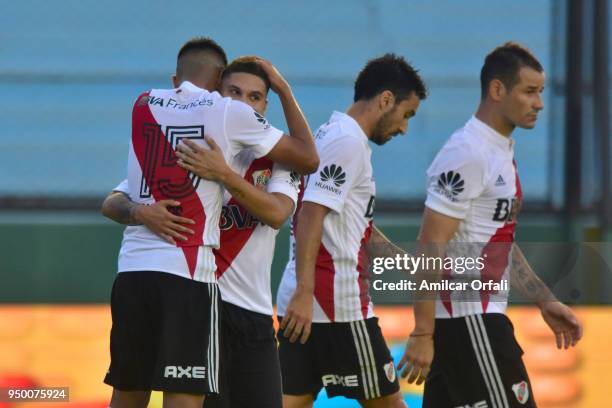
(563, 322)
(417, 358)
(297, 321)
(208, 164)
(277, 82)
(162, 222)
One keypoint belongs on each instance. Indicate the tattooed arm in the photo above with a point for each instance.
(381, 246)
(560, 318)
(524, 279)
(119, 208)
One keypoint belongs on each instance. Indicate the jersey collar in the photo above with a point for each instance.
(350, 122)
(189, 87)
(490, 135)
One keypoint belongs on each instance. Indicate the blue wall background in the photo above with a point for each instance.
(70, 70)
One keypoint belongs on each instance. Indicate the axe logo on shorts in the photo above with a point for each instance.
(521, 390)
(479, 404)
(342, 381)
(184, 372)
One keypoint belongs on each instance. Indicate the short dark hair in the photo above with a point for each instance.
(389, 72)
(247, 64)
(197, 44)
(504, 63)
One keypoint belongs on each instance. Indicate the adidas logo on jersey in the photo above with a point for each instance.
(262, 120)
(450, 184)
(295, 180)
(500, 181)
(333, 173)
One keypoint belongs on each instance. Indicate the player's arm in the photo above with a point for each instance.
(298, 317)
(272, 209)
(558, 316)
(118, 207)
(380, 245)
(297, 151)
(437, 230)
(441, 219)
(346, 153)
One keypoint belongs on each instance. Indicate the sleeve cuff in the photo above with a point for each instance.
(123, 187)
(437, 204)
(264, 148)
(324, 200)
(283, 187)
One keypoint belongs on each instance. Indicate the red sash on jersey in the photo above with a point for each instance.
(164, 178)
(234, 239)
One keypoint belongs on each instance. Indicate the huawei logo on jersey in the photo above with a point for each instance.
(333, 173)
(450, 185)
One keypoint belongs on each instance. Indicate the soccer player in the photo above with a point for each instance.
(165, 298)
(258, 190)
(473, 199)
(343, 349)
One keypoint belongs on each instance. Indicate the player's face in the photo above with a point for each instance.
(522, 104)
(395, 121)
(247, 88)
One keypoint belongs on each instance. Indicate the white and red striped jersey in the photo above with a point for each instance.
(244, 259)
(160, 120)
(474, 178)
(344, 183)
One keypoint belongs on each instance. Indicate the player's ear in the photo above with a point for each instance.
(386, 100)
(218, 77)
(175, 81)
(496, 90)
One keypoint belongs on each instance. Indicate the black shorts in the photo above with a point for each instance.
(349, 359)
(250, 370)
(164, 335)
(477, 363)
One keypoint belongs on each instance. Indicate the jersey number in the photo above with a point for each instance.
(156, 157)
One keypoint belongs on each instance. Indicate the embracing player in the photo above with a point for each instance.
(260, 197)
(327, 283)
(165, 310)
